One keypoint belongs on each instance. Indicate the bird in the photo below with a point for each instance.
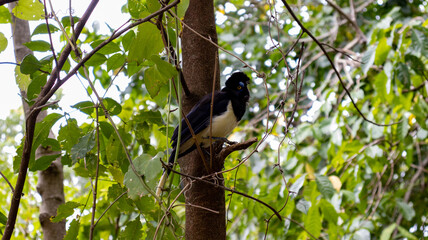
(228, 108)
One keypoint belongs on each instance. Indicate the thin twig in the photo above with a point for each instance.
(225, 188)
(300, 225)
(348, 18)
(111, 204)
(94, 204)
(333, 66)
(5, 178)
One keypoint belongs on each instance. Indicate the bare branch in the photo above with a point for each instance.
(333, 66)
(202, 179)
(3, 2)
(236, 147)
(5, 178)
(348, 18)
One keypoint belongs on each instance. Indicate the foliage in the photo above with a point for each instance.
(326, 170)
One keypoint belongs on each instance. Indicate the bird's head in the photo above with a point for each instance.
(237, 85)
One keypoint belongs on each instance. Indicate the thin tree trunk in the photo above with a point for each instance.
(50, 182)
(199, 61)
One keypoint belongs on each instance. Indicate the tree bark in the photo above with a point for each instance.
(50, 182)
(205, 204)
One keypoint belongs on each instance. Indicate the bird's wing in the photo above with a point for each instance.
(199, 116)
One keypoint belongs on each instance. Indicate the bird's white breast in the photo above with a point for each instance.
(222, 125)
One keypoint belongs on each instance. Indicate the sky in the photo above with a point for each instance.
(107, 11)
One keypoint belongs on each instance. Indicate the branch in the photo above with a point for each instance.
(201, 179)
(48, 93)
(332, 65)
(111, 204)
(3, 2)
(29, 135)
(347, 17)
(5, 178)
(236, 147)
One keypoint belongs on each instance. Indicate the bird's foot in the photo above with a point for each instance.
(224, 140)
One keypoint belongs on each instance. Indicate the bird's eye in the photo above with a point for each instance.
(238, 87)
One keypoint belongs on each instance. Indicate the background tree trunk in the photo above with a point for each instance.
(50, 182)
(199, 60)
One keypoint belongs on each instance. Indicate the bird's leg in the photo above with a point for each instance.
(222, 139)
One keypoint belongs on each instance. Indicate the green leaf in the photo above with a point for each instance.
(406, 234)
(30, 64)
(419, 45)
(416, 64)
(135, 7)
(111, 106)
(149, 168)
(133, 230)
(313, 221)
(182, 8)
(85, 107)
(407, 210)
(303, 205)
(3, 42)
(380, 85)
(23, 80)
(402, 74)
(85, 144)
(152, 5)
(3, 218)
(43, 162)
(29, 10)
(35, 86)
(106, 129)
(420, 110)
(166, 69)
(5, 15)
(116, 173)
(66, 21)
(147, 43)
(324, 186)
(109, 48)
(96, 60)
(116, 61)
(297, 185)
(402, 129)
(38, 46)
(151, 117)
(43, 128)
(386, 232)
(329, 212)
(73, 230)
(69, 134)
(127, 40)
(65, 210)
(124, 204)
(368, 59)
(43, 29)
(382, 51)
(153, 81)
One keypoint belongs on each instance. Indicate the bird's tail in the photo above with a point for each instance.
(165, 174)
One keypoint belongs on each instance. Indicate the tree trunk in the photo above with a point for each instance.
(199, 60)
(50, 184)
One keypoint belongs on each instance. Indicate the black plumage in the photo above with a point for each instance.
(228, 108)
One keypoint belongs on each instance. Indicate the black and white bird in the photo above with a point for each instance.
(228, 108)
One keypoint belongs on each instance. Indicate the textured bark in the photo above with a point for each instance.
(50, 183)
(199, 61)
